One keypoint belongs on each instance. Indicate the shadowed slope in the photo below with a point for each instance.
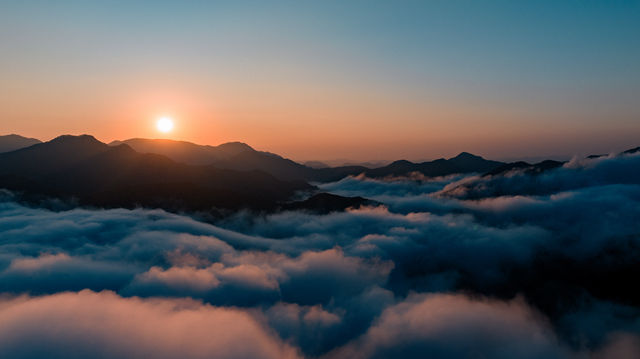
(186, 152)
(463, 163)
(97, 174)
(239, 156)
(323, 203)
(536, 168)
(15, 142)
(231, 155)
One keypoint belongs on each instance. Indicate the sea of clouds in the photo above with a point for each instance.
(510, 266)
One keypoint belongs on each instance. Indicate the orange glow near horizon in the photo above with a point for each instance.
(371, 87)
(309, 125)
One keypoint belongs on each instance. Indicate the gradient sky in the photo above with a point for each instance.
(362, 80)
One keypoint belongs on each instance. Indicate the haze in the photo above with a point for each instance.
(361, 80)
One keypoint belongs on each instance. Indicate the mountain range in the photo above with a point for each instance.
(239, 156)
(91, 172)
(242, 157)
(183, 176)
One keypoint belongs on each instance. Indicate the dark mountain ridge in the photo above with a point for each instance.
(544, 166)
(232, 155)
(186, 152)
(245, 158)
(323, 203)
(94, 173)
(462, 163)
(522, 178)
(525, 167)
(182, 176)
(15, 142)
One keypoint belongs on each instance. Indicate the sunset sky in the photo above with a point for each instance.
(362, 80)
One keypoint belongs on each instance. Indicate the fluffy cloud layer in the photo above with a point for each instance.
(346, 284)
(103, 325)
(578, 173)
(450, 326)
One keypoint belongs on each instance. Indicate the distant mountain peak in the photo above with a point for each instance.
(14, 142)
(16, 136)
(82, 144)
(631, 151)
(400, 162)
(75, 138)
(235, 146)
(466, 155)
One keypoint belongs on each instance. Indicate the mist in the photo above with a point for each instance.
(512, 265)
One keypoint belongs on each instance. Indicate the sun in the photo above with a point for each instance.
(164, 124)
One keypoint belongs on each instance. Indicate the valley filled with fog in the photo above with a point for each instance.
(519, 263)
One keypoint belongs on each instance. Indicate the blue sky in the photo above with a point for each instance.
(332, 76)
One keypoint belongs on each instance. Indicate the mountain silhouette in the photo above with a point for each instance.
(627, 152)
(233, 155)
(323, 203)
(239, 156)
(93, 173)
(15, 142)
(182, 176)
(631, 151)
(525, 167)
(55, 155)
(186, 152)
(462, 163)
(543, 166)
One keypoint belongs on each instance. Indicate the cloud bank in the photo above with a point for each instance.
(515, 265)
(103, 325)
